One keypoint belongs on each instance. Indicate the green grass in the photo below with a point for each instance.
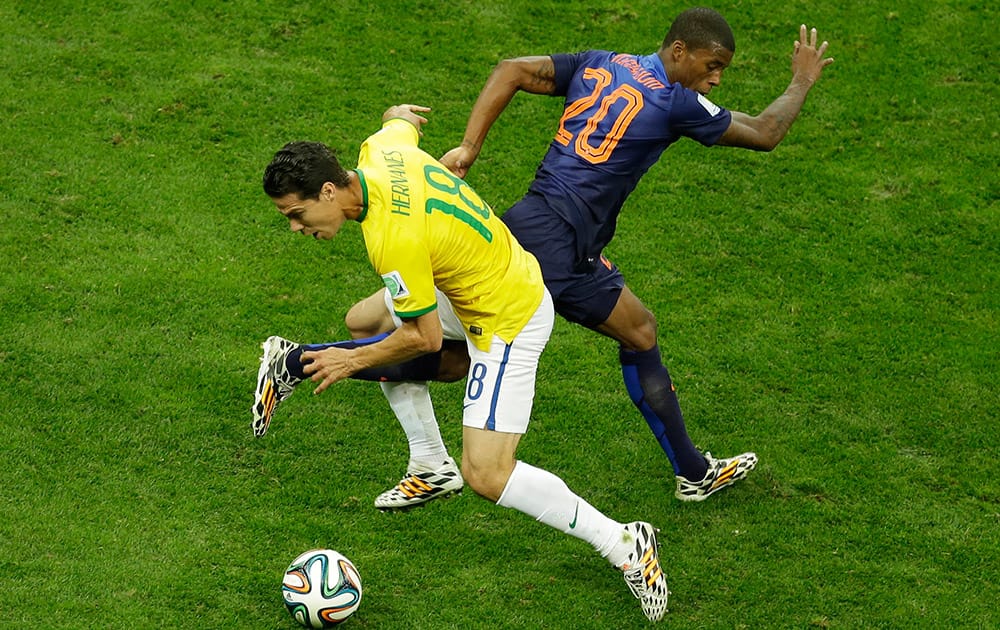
(832, 305)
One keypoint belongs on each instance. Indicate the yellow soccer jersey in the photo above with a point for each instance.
(426, 228)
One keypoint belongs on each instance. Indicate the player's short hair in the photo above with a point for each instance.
(302, 168)
(701, 28)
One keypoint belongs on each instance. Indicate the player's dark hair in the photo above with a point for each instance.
(302, 168)
(701, 28)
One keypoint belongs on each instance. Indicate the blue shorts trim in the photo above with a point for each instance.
(491, 422)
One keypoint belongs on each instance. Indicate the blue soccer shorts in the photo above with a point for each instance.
(583, 292)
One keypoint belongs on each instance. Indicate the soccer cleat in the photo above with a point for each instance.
(274, 383)
(421, 485)
(642, 571)
(722, 473)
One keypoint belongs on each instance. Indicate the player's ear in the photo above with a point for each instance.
(677, 50)
(327, 192)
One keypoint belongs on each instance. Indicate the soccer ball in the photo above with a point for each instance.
(321, 588)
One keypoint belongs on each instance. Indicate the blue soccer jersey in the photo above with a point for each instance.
(621, 113)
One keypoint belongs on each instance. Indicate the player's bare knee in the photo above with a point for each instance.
(368, 318)
(355, 321)
(641, 334)
(631, 323)
(484, 481)
(645, 332)
(478, 483)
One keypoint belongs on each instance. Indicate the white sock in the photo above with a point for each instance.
(547, 498)
(411, 402)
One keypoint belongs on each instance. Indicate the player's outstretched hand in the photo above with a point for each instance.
(807, 60)
(408, 112)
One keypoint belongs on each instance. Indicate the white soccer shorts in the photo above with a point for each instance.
(500, 388)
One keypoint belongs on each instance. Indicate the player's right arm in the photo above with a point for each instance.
(536, 75)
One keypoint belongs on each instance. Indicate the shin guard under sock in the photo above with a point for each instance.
(652, 391)
(546, 498)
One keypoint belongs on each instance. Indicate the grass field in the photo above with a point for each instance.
(833, 305)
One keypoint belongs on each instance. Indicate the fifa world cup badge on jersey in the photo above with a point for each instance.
(394, 282)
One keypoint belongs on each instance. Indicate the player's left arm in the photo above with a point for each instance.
(417, 336)
(764, 131)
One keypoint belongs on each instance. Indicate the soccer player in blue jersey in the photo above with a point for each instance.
(622, 111)
(436, 245)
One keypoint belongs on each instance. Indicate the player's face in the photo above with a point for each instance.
(701, 69)
(320, 218)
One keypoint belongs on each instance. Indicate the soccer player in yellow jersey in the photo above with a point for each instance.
(438, 246)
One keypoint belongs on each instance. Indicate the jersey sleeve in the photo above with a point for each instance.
(698, 118)
(405, 268)
(566, 65)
